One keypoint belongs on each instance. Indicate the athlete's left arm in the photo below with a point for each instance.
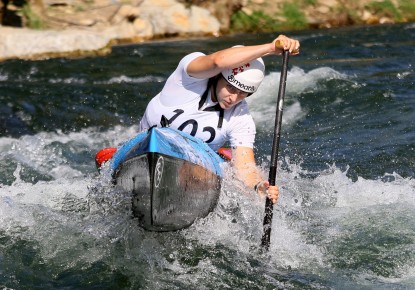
(243, 160)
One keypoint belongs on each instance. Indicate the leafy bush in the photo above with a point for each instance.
(258, 21)
(408, 9)
(385, 8)
(295, 17)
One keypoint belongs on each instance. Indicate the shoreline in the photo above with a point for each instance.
(90, 34)
(101, 44)
(47, 42)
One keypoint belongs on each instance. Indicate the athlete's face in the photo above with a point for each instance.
(228, 96)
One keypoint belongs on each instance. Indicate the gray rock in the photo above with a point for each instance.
(35, 44)
(144, 21)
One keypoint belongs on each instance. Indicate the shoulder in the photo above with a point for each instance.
(180, 75)
(184, 62)
(180, 87)
(241, 127)
(241, 109)
(240, 117)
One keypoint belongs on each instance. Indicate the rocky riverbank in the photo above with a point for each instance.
(56, 28)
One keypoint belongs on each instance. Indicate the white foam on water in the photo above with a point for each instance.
(132, 80)
(375, 192)
(263, 103)
(265, 117)
(315, 213)
(60, 215)
(62, 218)
(409, 26)
(3, 77)
(52, 153)
(312, 216)
(114, 80)
(71, 80)
(42, 211)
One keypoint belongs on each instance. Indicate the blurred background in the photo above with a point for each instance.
(85, 27)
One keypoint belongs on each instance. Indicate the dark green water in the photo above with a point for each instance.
(346, 215)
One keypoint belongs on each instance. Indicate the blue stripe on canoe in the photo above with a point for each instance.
(171, 142)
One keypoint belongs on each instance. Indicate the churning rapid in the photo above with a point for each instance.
(345, 219)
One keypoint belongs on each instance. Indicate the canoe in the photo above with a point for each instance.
(173, 178)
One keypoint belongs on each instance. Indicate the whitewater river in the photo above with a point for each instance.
(346, 216)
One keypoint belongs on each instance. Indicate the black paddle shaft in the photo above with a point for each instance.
(274, 154)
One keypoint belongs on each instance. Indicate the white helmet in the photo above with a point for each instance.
(246, 77)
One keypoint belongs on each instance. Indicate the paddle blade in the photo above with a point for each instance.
(104, 155)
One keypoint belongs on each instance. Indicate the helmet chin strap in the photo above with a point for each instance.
(212, 84)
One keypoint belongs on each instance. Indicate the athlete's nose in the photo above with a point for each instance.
(234, 97)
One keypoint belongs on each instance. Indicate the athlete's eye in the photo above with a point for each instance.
(231, 89)
(236, 91)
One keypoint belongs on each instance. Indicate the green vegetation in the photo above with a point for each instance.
(289, 14)
(32, 19)
(385, 8)
(291, 17)
(258, 21)
(295, 17)
(408, 9)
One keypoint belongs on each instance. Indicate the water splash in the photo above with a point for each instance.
(54, 155)
(317, 214)
(263, 103)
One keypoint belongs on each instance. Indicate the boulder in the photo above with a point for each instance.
(34, 44)
(118, 23)
(168, 17)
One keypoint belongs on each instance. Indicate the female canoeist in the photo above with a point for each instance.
(205, 97)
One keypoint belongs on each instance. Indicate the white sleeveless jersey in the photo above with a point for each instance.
(179, 103)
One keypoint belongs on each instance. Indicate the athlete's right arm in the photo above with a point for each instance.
(207, 66)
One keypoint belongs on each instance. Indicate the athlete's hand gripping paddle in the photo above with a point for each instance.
(275, 146)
